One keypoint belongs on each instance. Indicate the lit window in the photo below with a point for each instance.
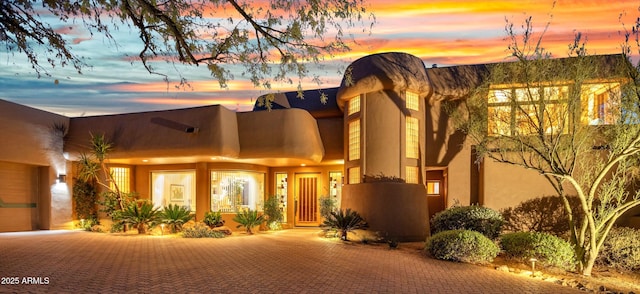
(412, 175)
(520, 110)
(600, 103)
(122, 178)
(354, 175)
(281, 193)
(412, 100)
(354, 140)
(174, 187)
(233, 191)
(433, 187)
(354, 105)
(412, 137)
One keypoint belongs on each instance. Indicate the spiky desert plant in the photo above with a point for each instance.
(213, 219)
(175, 216)
(345, 221)
(248, 219)
(141, 215)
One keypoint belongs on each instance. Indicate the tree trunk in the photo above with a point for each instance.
(142, 229)
(588, 265)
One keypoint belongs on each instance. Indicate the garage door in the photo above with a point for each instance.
(18, 197)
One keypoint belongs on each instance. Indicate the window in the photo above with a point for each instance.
(354, 175)
(335, 187)
(412, 137)
(281, 192)
(174, 187)
(354, 105)
(600, 103)
(122, 178)
(354, 140)
(412, 175)
(519, 111)
(433, 187)
(412, 101)
(232, 191)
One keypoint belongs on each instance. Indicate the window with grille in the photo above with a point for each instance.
(122, 178)
(354, 140)
(354, 175)
(412, 175)
(412, 137)
(412, 100)
(233, 191)
(354, 105)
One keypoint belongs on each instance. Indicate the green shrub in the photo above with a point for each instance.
(273, 213)
(544, 214)
(175, 216)
(213, 219)
(548, 249)
(621, 249)
(85, 196)
(248, 219)
(327, 205)
(463, 246)
(201, 231)
(345, 221)
(475, 218)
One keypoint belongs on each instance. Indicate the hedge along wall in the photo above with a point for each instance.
(397, 210)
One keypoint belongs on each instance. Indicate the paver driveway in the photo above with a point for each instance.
(290, 261)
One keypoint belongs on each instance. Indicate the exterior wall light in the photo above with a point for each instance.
(62, 178)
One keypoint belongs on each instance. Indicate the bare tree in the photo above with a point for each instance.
(574, 120)
(271, 39)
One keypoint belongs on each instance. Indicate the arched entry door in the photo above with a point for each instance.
(307, 194)
(436, 184)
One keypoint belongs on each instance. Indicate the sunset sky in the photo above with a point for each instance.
(439, 32)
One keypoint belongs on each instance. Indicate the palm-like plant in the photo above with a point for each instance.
(175, 216)
(345, 221)
(140, 215)
(248, 218)
(213, 219)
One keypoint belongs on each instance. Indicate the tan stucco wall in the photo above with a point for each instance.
(283, 133)
(332, 139)
(160, 133)
(396, 210)
(382, 135)
(28, 135)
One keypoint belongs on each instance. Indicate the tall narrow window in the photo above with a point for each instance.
(121, 178)
(412, 100)
(412, 175)
(354, 175)
(412, 137)
(354, 105)
(354, 140)
(281, 193)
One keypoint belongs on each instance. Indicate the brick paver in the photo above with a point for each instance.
(290, 261)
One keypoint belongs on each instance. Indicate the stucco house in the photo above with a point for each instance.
(385, 120)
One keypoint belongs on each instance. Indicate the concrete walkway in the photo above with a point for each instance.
(290, 261)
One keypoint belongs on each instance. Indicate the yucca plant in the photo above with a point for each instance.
(248, 219)
(141, 215)
(175, 216)
(345, 221)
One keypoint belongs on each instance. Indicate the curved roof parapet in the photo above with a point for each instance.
(384, 71)
(309, 100)
(282, 133)
(455, 82)
(207, 131)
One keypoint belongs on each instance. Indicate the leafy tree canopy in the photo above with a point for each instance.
(271, 39)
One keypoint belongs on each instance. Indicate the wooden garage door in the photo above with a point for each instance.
(18, 197)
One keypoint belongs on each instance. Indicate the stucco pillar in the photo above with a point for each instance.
(384, 114)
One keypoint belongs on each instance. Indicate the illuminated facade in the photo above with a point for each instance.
(387, 125)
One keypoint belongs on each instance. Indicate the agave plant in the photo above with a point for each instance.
(248, 218)
(141, 215)
(213, 219)
(175, 216)
(345, 221)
